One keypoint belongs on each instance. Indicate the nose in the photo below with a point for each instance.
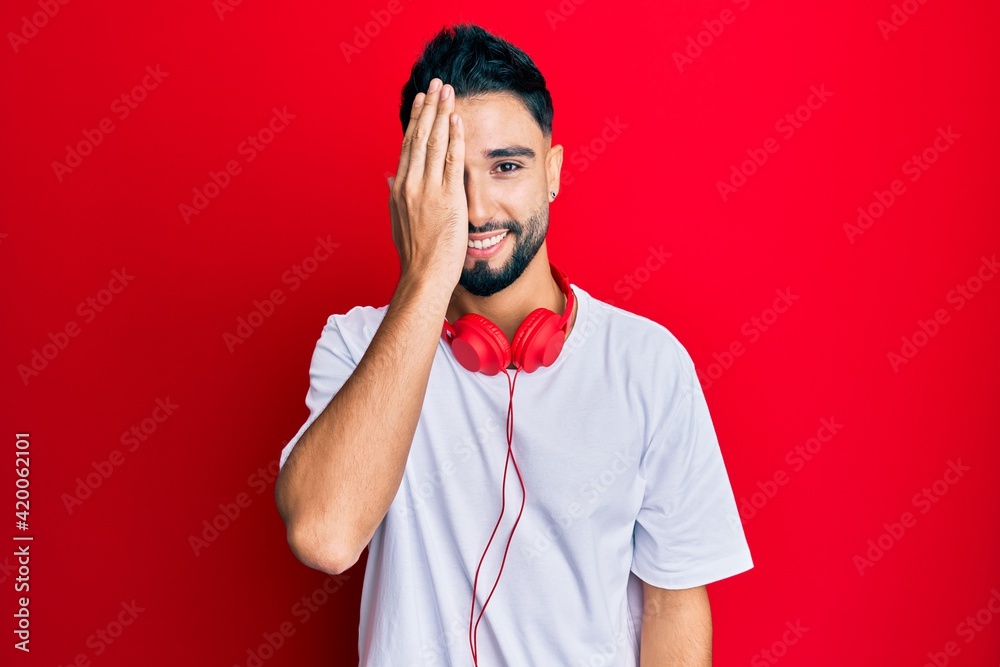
(481, 209)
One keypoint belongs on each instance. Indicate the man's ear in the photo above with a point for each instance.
(553, 167)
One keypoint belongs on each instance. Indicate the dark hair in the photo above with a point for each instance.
(473, 61)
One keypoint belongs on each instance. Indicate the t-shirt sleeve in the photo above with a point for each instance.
(688, 531)
(329, 369)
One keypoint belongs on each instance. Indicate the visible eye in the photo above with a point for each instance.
(509, 171)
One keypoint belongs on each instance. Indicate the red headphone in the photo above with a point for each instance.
(480, 346)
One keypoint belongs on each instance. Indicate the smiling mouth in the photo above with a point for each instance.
(483, 244)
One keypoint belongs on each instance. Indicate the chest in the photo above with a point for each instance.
(576, 440)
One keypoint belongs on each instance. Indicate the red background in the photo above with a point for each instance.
(655, 184)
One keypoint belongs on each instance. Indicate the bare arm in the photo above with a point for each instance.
(343, 473)
(676, 628)
(341, 476)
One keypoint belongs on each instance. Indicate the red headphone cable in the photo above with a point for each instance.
(473, 632)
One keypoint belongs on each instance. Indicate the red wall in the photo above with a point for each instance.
(840, 449)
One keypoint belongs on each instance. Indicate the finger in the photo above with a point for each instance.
(418, 142)
(437, 142)
(454, 165)
(394, 224)
(404, 153)
(392, 198)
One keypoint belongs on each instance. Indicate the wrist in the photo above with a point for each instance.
(425, 294)
(427, 285)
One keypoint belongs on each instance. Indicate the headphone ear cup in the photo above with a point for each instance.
(538, 341)
(479, 345)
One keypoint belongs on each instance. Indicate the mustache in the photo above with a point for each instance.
(511, 225)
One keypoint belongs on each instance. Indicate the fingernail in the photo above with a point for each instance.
(446, 93)
(435, 84)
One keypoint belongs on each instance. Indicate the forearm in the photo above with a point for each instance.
(676, 628)
(340, 478)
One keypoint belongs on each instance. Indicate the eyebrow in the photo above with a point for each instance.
(509, 151)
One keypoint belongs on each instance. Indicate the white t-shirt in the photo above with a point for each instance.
(623, 478)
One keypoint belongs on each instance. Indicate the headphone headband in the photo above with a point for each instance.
(563, 283)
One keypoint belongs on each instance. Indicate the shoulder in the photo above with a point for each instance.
(645, 345)
(352, 331)
(358, 321)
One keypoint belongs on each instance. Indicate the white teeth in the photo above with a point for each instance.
(488, 243)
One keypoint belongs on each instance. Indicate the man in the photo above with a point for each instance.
(626, 511)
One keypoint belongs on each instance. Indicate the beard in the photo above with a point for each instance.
(481, 280)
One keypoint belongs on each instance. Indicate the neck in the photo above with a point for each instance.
(535, 288)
